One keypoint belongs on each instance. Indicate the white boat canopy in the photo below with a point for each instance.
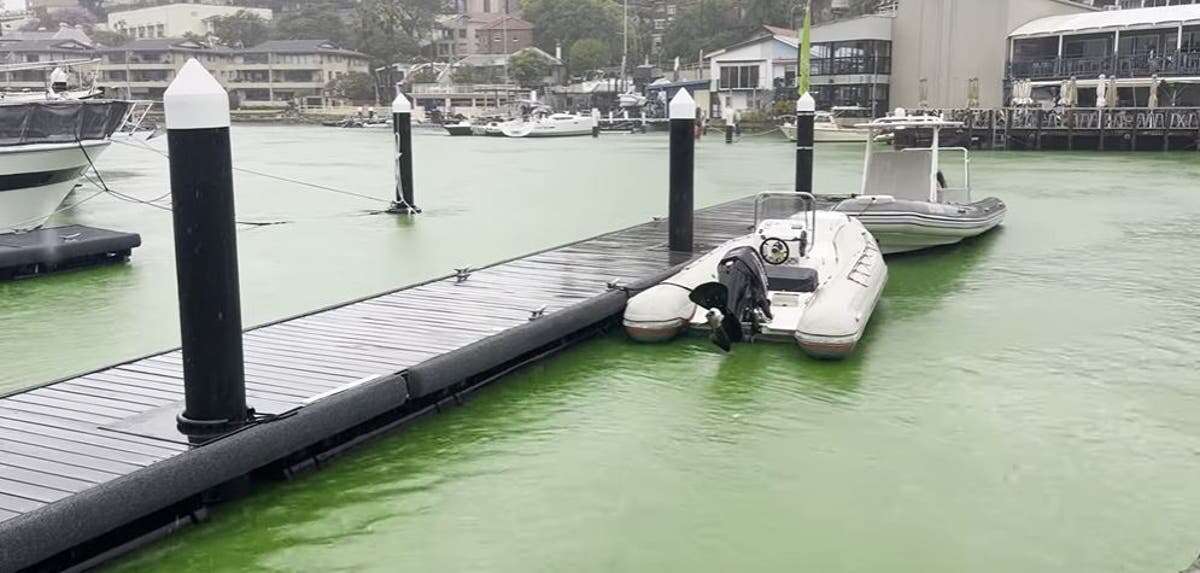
(1110, 21)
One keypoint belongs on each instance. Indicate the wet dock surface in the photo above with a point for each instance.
(85, 456)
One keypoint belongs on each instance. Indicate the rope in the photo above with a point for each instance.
(104, 188)
(271, 176)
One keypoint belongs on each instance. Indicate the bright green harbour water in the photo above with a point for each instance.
(1025, 402)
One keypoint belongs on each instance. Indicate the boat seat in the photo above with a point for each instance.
(901, 174)
(791, 279)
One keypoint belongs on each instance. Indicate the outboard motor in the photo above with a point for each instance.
(738, 296)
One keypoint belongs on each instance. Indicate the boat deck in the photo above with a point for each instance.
(85, 457)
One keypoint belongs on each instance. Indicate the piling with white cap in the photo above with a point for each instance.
(728, 116)
(206, 266)
(806, 111)
(595, 122)
(402, 133)
(683, 161)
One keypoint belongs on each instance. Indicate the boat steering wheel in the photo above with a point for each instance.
(774, 251)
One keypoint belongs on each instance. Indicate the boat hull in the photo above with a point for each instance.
(35, 179)
(903, 226)
(576, 126)
(460, 129)
(828, 135)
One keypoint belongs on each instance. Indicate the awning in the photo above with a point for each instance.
(1110, 20)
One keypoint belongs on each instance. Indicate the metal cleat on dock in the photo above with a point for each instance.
(537, 313)
(462, 274)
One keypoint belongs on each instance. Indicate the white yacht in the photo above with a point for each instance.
(811, 277)
(830, 127)
(904, 198)
(549, 125)
(44, 147)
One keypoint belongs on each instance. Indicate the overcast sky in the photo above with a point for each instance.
(13, 4)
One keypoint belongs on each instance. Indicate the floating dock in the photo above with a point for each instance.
(61, 248)
(91, 466)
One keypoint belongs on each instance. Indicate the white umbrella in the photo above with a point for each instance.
(1102, 91)
(1114, 96)
(1153, 101)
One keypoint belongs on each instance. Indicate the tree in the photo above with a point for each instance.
(354, 86)
(706, 25)
(588, 54)
(528, 69)
(756, 13)
(240, 29)
(109, 38)
(568, 21)
(316, 21)
(69, 16)
(392, 30)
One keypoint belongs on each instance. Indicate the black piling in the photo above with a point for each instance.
(402, 132)
(683, 160)
(206, 266)
(806, 109)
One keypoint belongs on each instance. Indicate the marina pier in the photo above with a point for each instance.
(1095, 129)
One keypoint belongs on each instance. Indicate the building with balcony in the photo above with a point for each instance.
(38, 53)
(504, 35)
(173, 20)
(278, 73)
(142, 69)
(1138, 47)
(850, 59)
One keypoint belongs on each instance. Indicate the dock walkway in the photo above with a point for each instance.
(83, 469)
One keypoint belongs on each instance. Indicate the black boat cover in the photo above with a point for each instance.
(62, 121)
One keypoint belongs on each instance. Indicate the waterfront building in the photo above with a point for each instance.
(916, 53)
(1137, 46)
(41, 51)
(504, 35)
(277, 73)
(173, 20)
(477, 84)
(481, 27)
(851, 66)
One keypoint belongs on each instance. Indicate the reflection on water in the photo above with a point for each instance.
(1017, 402)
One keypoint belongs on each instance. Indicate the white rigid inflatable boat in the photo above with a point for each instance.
(904, 199)
(813, 277)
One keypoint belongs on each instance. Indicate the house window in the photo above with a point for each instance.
(487, 5)
(739, 77)
(496, 37)
(462, 32)
(670, 9)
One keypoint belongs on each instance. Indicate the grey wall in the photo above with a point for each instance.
(950, 41)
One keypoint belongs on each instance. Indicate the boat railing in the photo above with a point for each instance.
(138, 110)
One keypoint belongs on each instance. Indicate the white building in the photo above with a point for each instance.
(173, 20)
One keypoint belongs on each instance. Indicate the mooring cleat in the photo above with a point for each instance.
(462, 274)
(537, 313)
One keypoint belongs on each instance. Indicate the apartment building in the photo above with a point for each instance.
(278, 73)
(38, 52)
(173, 20)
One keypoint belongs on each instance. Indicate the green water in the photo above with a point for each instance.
(1025, 402)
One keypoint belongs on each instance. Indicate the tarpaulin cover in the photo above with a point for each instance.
(60, 121)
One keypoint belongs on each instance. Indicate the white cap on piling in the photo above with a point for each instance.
(195, 100)
(682, 105)
(806, 103)
(401, 104)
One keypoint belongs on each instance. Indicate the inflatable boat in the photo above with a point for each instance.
(904, 199)
(812, 277)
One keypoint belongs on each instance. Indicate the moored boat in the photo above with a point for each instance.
(44, 147)
(812, 277)
(463, 127)
(551, 125)
(904, 199)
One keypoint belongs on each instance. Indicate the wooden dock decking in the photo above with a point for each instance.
(75, 465)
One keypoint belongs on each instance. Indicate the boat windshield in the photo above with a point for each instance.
(784, 205)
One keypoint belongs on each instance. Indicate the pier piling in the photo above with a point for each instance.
(683, 162)
(806, 111)
(729, 126)
(206, 267)
(402, 130)
(595, 122)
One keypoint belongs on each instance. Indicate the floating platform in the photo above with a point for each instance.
(60, 248)
(91, 465)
